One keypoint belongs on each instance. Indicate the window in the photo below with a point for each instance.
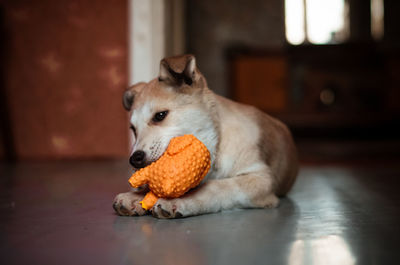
(316, 21)
(294, 20)
(326, 21)
(377, 26)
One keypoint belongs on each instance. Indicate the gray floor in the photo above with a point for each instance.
(61, 213)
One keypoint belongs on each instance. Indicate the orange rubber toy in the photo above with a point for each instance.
(182, 167)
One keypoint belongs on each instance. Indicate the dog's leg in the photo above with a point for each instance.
(128, 203)
(244, 191)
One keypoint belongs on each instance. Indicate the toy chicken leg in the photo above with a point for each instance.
(182, 167)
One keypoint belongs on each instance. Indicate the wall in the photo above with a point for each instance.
(213, 26)
(64, 75)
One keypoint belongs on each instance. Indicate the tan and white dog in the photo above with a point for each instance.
(253, 156)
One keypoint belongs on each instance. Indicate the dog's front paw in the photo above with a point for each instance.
(167, 208)
(128, 204)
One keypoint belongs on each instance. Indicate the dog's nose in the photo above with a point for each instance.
(137, 159)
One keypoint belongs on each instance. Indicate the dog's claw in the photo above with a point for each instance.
(160, 210)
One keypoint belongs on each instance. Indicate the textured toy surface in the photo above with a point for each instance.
(182, 167)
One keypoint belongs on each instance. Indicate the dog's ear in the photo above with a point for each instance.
(179, 70)
(129, 95)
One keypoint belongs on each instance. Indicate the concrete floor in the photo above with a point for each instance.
(61, 213)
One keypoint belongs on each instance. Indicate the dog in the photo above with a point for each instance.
(253, 156)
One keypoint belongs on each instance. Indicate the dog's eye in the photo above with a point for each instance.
(133, 129)
(159, 116)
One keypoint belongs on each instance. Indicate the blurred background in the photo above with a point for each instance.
(330, 69)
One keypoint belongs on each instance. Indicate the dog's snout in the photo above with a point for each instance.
(138, 159)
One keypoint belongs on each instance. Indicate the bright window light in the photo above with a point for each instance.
(294, 13)
(377, 13)
(325, 19)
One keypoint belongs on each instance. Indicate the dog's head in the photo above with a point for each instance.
(168, 106)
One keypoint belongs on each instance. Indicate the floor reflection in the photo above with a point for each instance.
(331, 249)
(325, 221)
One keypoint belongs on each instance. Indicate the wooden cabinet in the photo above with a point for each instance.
(261, 81)
(330, 88)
